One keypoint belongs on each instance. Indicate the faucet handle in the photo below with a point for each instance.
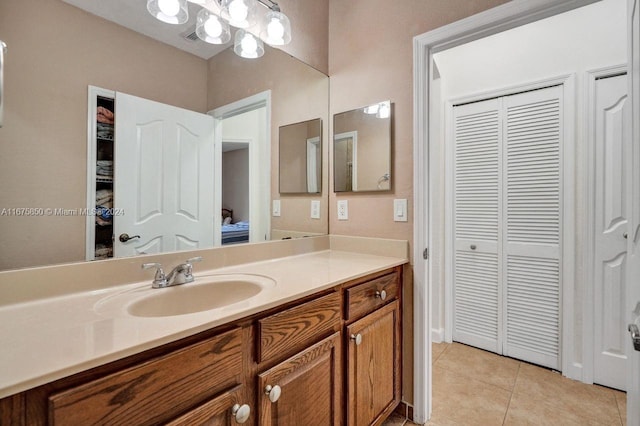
(160, 279)
(195, 259)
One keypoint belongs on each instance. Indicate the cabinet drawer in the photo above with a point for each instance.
(216, 412)
(367, 297)
(295, 328)
(157, 390)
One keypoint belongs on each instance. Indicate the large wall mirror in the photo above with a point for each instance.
(57, 50)
(301, 157)
(362, 149)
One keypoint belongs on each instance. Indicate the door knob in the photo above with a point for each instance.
(125, 237)
(273, 392)
(635, 336)
(241, 413)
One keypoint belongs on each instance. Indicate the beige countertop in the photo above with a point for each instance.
(51, 338)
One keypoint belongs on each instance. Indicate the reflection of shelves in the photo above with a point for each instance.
(104, 139)
(104, 179)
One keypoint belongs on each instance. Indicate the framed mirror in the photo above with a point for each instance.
(300, 167)
(362, 149)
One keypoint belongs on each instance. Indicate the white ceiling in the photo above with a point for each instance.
(133, 14)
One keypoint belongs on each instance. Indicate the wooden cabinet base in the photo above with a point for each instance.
(289, 366)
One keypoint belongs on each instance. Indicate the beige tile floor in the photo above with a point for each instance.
(475, 387)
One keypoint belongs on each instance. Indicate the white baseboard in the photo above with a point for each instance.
(437, 335)
(574, 371)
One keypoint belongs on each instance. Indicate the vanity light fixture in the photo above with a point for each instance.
(381, 110)
(169, 11)
(247, 45)
(216, 16)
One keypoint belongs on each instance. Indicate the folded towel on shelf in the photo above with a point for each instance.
(104, 167)
(104, 115)
(104, 131)
(104, 197)
(103, 251)
(102, 222)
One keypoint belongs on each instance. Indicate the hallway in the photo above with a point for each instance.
(475, 387)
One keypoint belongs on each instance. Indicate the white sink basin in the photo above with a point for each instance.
(204, 294)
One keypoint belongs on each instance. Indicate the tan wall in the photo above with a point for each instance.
(298, 93)
(310, 31)
(54, 52)
(370, 60)
(235, 183)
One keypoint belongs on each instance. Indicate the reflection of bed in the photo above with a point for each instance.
(235, 233)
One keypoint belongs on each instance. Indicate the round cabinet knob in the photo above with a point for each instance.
(625, 235)
(382, 295)
(473, 246)
(273, 392)
(241, 413)
(357, 338)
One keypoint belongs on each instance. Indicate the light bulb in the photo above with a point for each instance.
(169, 7)
(249, 45)
(238, 11)
(212, 27)
(275, 30)
(372, 109)
(384, 111)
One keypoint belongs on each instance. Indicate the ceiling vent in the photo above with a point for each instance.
(190, 34)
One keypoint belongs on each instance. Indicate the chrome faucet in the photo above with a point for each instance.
(181, 274)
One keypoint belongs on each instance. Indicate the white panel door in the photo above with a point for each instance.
(611, 228)
(164, 161)
(532, 185)
(477, 200)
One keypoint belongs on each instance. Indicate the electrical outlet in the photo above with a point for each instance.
(400, 210)
(315, 209)
(343, 210)
(276, 208)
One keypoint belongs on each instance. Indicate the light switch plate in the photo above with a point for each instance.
(276, 208)
(343, 210)
(400, 210)
(315, 209)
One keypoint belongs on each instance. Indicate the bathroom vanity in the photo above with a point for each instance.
(312, 350)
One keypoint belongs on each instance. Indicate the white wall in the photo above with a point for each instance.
(575, 42)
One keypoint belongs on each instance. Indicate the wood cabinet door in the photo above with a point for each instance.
(309, 386)
(373, 366)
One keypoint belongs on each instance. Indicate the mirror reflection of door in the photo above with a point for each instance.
(163, 177)
(300, 165)
(314, 165)
(343, 153)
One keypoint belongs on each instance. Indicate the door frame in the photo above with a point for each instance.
(353, 135)
(92, 155)
(313, 145)
(586, 276)
(567, 83)
(260, 181)
(509, 15)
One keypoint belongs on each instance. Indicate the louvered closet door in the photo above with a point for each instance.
(531, 258)
(477, 135)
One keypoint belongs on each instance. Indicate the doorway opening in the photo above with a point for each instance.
(430, 123)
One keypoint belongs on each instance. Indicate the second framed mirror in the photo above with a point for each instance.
(362, 149)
